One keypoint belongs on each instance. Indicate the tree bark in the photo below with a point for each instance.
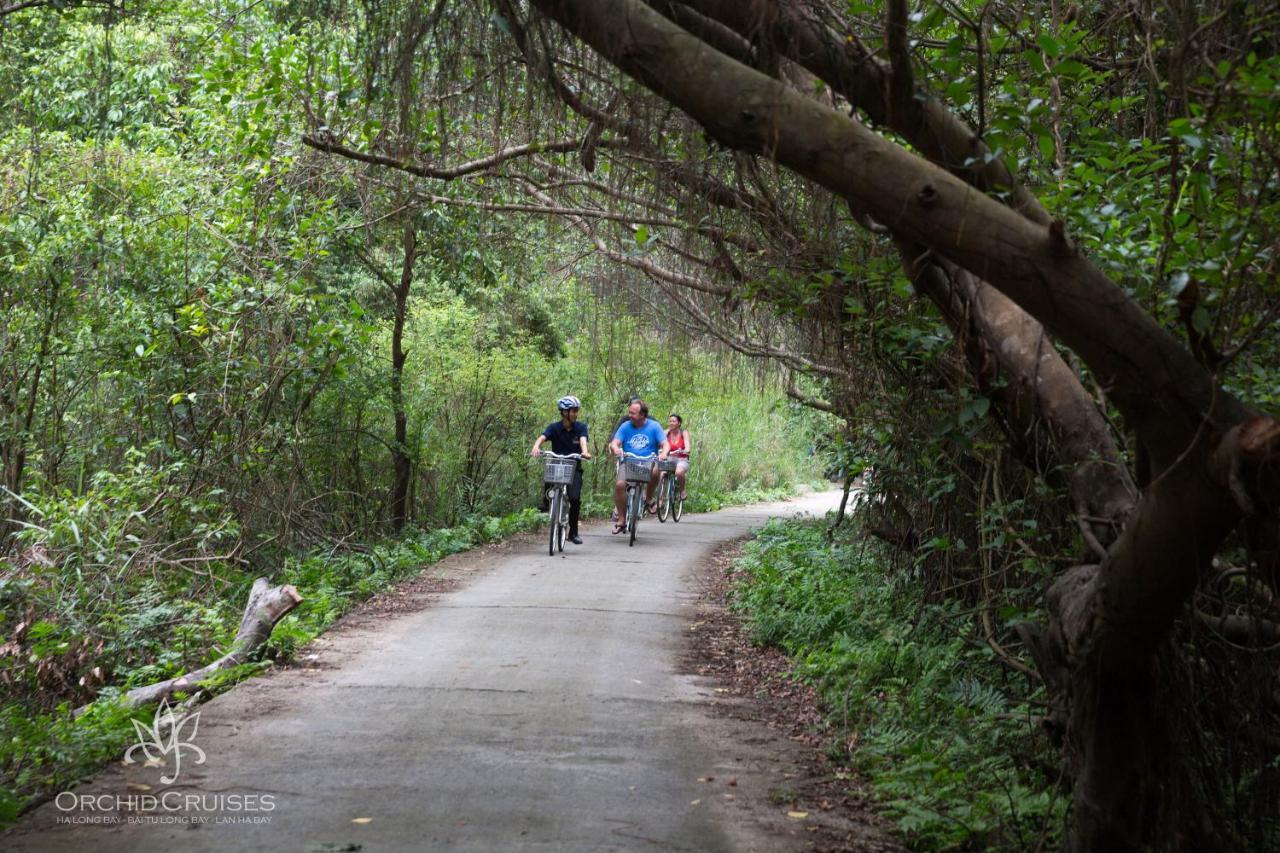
(400, 460)
(1157, 383)
(1047, 415)
(1046, 412)
(844, 502)
(15, 449)
(1171, 401)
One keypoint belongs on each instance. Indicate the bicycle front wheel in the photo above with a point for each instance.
(563, 527)
(555, 523)
(664, 502)
(677, 502)
(633, 512)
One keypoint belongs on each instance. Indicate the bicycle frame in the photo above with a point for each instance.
(634, 505)
(558, 507)
(669, 502)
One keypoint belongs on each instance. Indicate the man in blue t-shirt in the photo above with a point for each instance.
(568, 436)
(640, 436)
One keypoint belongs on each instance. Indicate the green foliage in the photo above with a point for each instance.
(923, 711)
(41, 752)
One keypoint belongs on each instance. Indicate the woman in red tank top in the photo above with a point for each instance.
(678, 438)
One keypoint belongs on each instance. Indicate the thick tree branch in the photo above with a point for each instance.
(1102, 488)
(266, 606)
(812, 402)
(901, 80)
(1048, 416)
(844, 62)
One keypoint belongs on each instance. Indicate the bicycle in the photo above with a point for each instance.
(637, 471)
(668, 492)
(558, 473)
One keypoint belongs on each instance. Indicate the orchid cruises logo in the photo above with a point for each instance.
(163, 741)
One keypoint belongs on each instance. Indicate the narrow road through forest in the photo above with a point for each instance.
(539, 705)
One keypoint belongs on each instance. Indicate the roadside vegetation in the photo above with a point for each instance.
(919, 704)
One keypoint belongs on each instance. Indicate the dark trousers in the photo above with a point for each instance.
(575, 500)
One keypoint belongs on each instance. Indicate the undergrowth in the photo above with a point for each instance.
(945, 738)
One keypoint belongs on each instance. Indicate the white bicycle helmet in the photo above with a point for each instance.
(568, 402)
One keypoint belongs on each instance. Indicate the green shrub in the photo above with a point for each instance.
(923, 711)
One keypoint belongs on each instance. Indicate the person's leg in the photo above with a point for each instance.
(575, 503)
(682, 471)
(619, 500)
(649, 487)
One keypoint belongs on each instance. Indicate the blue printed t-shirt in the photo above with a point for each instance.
(565, 441)
(645, 441)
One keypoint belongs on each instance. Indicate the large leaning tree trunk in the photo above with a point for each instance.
(1043, 409)
(1214, 460)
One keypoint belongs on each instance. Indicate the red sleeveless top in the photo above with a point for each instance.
(677, 443)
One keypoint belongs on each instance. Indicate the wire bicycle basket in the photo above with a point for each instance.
(559, 471)
(636, 470)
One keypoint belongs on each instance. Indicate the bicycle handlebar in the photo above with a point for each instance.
(555, 455)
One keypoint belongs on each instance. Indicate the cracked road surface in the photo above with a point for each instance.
(538, 706)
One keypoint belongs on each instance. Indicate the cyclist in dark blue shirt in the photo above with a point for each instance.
(568, 436)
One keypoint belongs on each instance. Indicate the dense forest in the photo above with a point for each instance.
(288, 289)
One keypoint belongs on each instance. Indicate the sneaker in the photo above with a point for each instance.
(576, 540)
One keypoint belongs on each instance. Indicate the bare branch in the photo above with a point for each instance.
(635, 262)
(422, 171)
(755, 350)
(806, 400)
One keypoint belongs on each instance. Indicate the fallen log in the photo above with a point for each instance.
(265, 608)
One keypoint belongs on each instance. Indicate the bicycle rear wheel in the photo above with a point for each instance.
(677, 502)
(554, 527)
(664, 503)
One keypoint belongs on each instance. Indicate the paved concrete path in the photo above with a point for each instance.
(540, 706)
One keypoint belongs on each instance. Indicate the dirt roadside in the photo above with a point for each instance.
(771, 722)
